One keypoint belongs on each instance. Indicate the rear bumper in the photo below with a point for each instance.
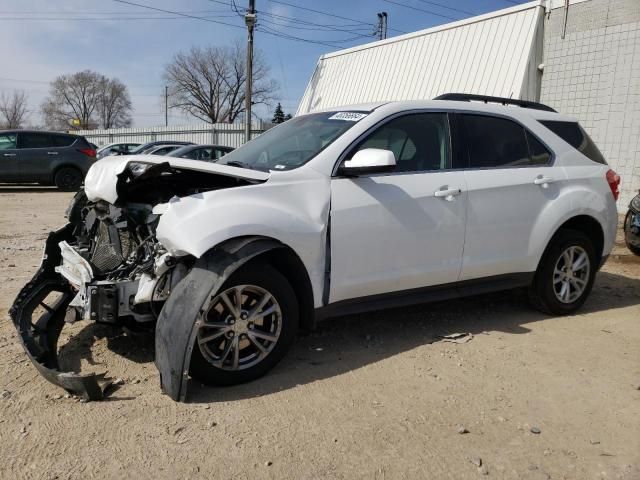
(39, 332)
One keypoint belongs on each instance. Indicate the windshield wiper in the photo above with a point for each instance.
(237, 163)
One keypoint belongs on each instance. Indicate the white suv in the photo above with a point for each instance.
(358, 208)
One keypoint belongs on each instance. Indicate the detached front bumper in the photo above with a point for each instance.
(39, 324)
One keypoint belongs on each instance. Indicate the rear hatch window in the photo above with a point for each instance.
(574, 135)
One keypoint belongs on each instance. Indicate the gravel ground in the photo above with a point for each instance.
(369, 396)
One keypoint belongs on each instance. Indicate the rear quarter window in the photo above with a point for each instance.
(575, 135)
(63, 140)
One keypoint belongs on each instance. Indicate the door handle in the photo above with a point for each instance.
(52, 153)
(9, 154)
(447, 194)
(544, 181)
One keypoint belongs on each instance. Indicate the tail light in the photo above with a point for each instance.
(89, 152)
(613, 179)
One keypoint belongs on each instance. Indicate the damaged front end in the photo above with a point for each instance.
(106, 264)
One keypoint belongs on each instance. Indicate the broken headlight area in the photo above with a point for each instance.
(116, 266)
(105, 265)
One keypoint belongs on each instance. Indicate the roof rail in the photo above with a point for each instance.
(468, 97)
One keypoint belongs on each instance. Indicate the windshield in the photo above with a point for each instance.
(292, 143)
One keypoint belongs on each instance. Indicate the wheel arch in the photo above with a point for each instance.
(284, 259)
(177, 324)
(57, 168)
(586, 224)
(60, 166)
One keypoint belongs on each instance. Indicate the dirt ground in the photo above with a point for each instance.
(374, 396)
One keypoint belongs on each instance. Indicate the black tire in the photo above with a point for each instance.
(68, 179)
(627, 225)
(268, 278)
(541, 292)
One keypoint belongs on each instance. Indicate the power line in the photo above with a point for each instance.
(320, 12)
(77, 12)
(330, 14)
(178, 13)
(420, 10)
(448, 7)
(304, 22)
(268, 31)
(101, 19)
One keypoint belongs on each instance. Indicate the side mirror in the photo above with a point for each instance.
(370, 160)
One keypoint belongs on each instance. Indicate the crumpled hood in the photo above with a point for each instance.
(102, 178)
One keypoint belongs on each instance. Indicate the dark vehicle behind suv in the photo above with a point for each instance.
(48, 158)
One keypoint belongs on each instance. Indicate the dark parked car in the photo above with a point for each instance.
(632, 226)
(162, 150)
(208, 153)
(48, 158)
(146, 147)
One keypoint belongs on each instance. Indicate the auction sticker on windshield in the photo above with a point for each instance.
(349, 116)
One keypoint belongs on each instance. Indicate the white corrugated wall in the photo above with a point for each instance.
(227, 134)
(493, 54)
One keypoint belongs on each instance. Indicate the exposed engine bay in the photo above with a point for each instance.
(120, 272)
(106, 264)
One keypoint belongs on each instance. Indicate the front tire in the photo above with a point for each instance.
(565, 274)
(68, 179)
(247, 326)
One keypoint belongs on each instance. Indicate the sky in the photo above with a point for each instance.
(41, 39)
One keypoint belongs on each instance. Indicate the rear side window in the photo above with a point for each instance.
(199, 154)
(63, 140)
(498, 142)
(219, 153)
(34, 140)
(7, 141)
(538, 152)
(495, 142)
(574, 135)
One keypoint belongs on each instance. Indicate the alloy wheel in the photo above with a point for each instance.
(239, 327)
(571, 274)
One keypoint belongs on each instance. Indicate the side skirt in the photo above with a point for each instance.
(415, 296)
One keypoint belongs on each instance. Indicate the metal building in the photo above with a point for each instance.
(582, 57)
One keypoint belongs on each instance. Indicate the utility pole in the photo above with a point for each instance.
(381, 31)
(250, 21)
(166, 105)
(386, 19)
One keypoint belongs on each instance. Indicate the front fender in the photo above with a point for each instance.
(294, 213)
(178, 322)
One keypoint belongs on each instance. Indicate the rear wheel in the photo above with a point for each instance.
(565, 275)
(68, 179)
(627, 226)
(246, 327)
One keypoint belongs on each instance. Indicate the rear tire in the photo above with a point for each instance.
(565, 274)
(68, 179)
(256, 355)
(627, 225)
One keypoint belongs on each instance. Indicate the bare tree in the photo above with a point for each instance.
(209, 83)
(88, 97)
(13, 109)
(115, 104)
